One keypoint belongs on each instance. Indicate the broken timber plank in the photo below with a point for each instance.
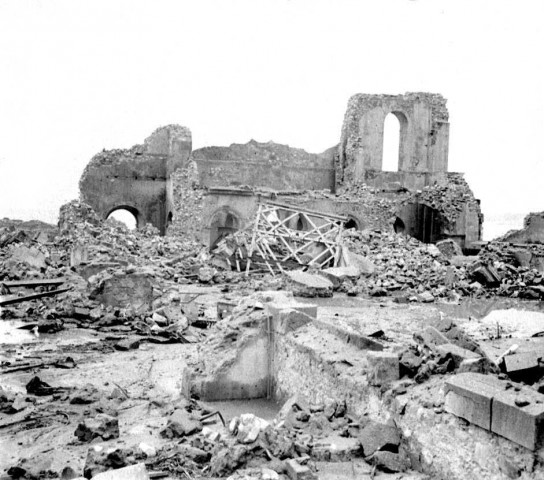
(45, 282)
(35, 296)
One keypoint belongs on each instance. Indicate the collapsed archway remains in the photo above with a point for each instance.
(126, 215)
(224, 222)
(421, 221)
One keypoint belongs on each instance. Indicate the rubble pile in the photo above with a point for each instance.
(301, 434)
(405, 266)
(517, 272)
(117, 279)
(449, 199)
(187, 201)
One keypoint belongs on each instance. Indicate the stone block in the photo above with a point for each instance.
(519, 416)
(470, 396)
(181, 424)
(522, 362)
(134, 289)
(389, 461)
(133, 472)
(457, 353)
(306, 284)
(338, 274)
(363, 264)
(78, 255)
(475, 365)
(377, 436)
(90, 269)
(275, 308)
(131, 343)
(295, 471)
(431, 337)
(290, 320)
(29, 255)
(383, 368)
(102, 426)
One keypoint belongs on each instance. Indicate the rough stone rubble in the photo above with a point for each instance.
(137, 290)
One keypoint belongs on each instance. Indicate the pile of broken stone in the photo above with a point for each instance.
(117, 280)
(195, 442)
(450, 198)
(516, 271)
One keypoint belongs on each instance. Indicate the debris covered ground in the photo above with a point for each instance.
(373, 358)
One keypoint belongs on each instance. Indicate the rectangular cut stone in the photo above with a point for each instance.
(522, 361)
(289, 320)
(432, 337)
(520, 424)
(383, 367)
(458, 354)
(275, 308)
(470, 396)
(295, 471)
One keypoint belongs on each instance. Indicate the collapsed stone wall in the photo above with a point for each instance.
(212, 191)
(270, 164)
(187, 212)
(137, 179)
(457, 211)
(423, 143)
(532, 231)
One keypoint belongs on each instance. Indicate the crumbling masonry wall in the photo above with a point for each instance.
(138, 179)
(423, 142)
(213, 191)
(272, 165)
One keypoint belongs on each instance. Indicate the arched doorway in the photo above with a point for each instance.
(421, 221)
(126, 215)
(223, 223)
(394, 132)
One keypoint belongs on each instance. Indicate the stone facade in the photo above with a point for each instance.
(138, 179)
(212, 191)
(423, 142)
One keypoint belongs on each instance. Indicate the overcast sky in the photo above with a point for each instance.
(80, 76)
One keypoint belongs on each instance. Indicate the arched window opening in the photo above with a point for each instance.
(391, 144)
(223, 224)
(399, 226)
(300, 224)
(124, 216)
(230, 221)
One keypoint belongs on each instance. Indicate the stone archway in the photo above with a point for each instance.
(421, 221)
(223, 222)
(130, 210)
(353, 223)
(395, 128)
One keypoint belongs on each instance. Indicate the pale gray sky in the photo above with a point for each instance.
(79, 76)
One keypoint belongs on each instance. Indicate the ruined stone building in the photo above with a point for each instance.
(212, 191)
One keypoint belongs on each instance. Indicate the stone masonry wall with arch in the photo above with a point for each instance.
(138, 179)
(209, 192)
(423, 142)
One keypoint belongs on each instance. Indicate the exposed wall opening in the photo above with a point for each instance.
(422, 222)
(399, 226)
(126, 215)
(169, 220)
(352, 224)
(391, 143)
(223, 223)
(394, 135)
